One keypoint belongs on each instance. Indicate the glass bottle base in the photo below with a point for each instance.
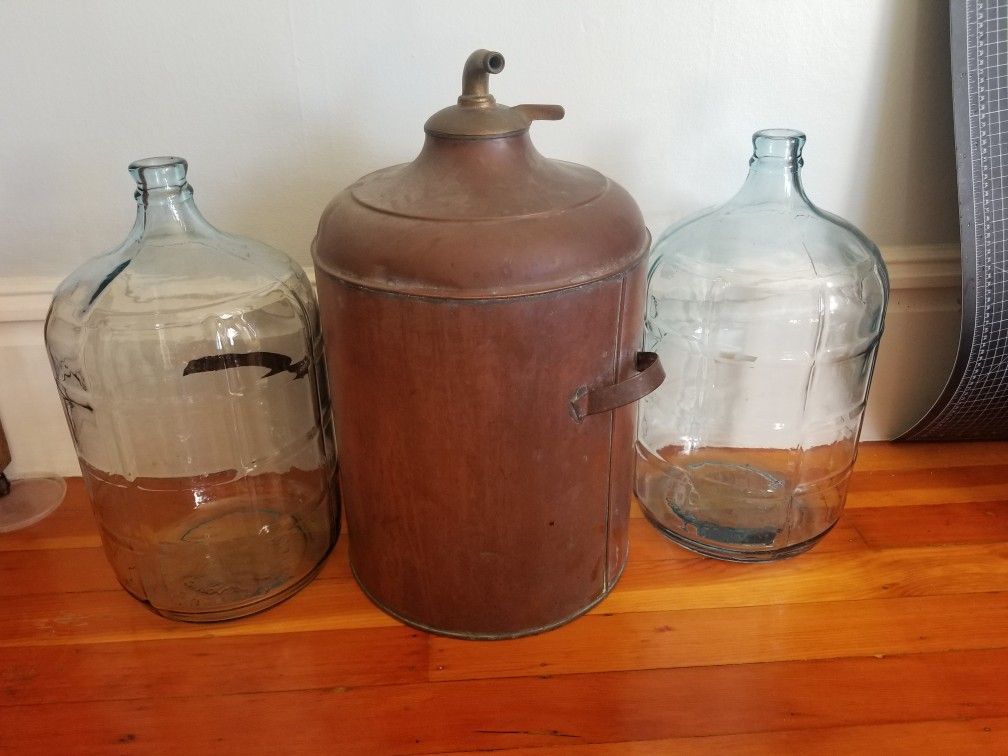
(731, 555)
(239, 611)
(216, 551)
(743, 504)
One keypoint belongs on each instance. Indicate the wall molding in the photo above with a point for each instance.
(923, 267)
(917, 350)
(24, 299)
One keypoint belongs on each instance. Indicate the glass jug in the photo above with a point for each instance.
(766, 312)
(190, 367)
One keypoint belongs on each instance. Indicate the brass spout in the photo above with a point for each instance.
(477, 114)
(476, 77)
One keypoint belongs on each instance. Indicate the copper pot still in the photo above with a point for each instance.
(482, 309)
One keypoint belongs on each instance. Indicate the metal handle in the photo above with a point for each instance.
(648, 377)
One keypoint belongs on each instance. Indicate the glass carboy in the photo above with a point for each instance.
(190, 367)
(766, 312)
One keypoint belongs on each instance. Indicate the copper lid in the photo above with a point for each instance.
(480, 213)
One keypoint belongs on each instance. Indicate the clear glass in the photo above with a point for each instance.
(28, 499)
(191, 371)
(766, 312)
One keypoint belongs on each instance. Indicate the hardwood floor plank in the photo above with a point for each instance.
(931, 525)
(114, 616)
(34, 571)
(72, 570)
(882, 455)
(191, 667)
(69, 569)
(528, 712)
(72, 525)
(949, 485)
(810, 578)
(741, 635)
(648, 545)
(891, 635)
(337, 603)
(75, 570)
(962, 737)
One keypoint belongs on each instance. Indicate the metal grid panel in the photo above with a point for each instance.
(974, 404)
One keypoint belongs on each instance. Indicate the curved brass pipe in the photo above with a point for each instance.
(476, 75)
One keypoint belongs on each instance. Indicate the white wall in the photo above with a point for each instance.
(278, 105)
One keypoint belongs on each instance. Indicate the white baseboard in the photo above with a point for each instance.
(922, 331)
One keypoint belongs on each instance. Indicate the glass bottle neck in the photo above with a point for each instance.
(775, 169)
(165, 205)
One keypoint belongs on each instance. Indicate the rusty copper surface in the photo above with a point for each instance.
(482, 309)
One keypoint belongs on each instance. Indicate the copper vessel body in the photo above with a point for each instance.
(482, 309)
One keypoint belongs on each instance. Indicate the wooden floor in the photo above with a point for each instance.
(891, 636)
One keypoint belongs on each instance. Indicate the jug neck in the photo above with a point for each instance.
(774, 169)
(165, 205)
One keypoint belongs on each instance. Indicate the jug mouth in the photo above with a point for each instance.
(780, 134)
(161, 172)
(784, 144)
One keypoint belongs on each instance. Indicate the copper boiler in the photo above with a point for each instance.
(482, 309)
